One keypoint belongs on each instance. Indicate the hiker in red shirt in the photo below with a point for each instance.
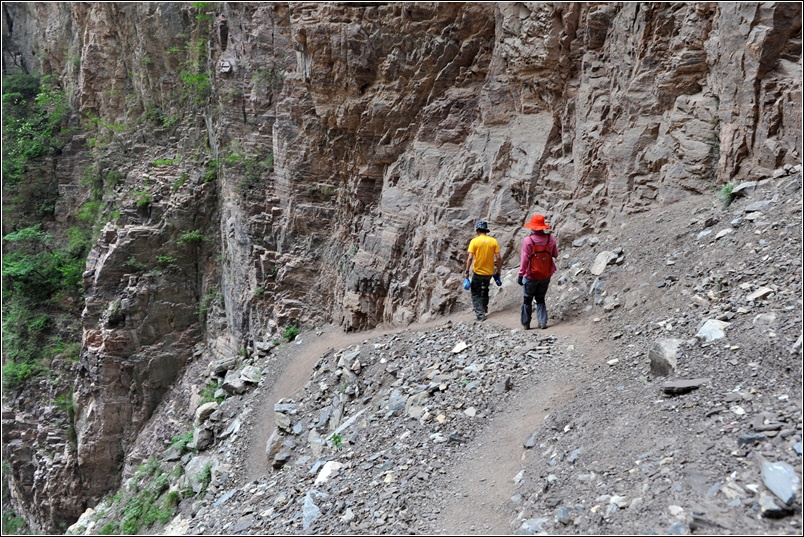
(536, 266)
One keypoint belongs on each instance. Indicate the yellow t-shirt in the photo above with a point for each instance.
(484, 247)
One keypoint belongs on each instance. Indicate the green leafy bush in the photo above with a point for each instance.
(33, 269)
(143, 198)
(180, 441)
(204, 477)
(248, 166)
(206, 302)
(12, 524)
(202, 14)
(16, 374)
(208, 394)
(192, 236)
(727, 194)
(165, 161)
(35, 275)
(89, 211)
(165, 259)
(212, 171)
(291, 332)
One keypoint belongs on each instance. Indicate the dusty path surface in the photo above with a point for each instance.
(479, 486)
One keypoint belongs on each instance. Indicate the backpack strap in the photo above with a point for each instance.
(533, 244)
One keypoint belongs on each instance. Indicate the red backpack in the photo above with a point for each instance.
(540, 262)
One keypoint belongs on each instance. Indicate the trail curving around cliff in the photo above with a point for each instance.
(478, 487)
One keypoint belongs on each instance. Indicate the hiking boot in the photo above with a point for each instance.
(542, 325)
(525, 327)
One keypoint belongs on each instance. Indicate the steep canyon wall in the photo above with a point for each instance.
(306, 163)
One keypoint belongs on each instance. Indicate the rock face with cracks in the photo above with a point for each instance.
(326, 163)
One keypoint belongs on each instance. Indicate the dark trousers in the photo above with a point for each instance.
(480, 295)
(534, 289)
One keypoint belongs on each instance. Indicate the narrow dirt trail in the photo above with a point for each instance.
(480, 485)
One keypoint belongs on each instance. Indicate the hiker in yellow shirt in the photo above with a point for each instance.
(484, 252)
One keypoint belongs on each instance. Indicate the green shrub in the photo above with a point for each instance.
(20, 87)
(92, 179)
(727, 194)
(202, 7)
(180, 441)
(33, 269)
(150, 468)
(134, 265)
(70, 351)
(266, 78)
(206, 302)
(89, 211)
(35, 113)
(113, 178)
(169, 121)
(42, 272)
(143, 198)
(193, 236)
(172, 500)
(155, 115)
(248, 166)
(21, 343)
(208, 395)
(16, 374)
(212, 171)
(291, 332)
(165, 259)
(12, 524)
(64, 402)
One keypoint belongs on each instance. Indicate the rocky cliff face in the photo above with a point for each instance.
(302, 163)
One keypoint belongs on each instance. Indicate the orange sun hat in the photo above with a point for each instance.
(537, 223)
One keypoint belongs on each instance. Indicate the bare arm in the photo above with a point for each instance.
(469, 259)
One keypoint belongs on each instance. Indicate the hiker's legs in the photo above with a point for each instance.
(541, 307)
(528, 294)
(480, 295)
(484, 292)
